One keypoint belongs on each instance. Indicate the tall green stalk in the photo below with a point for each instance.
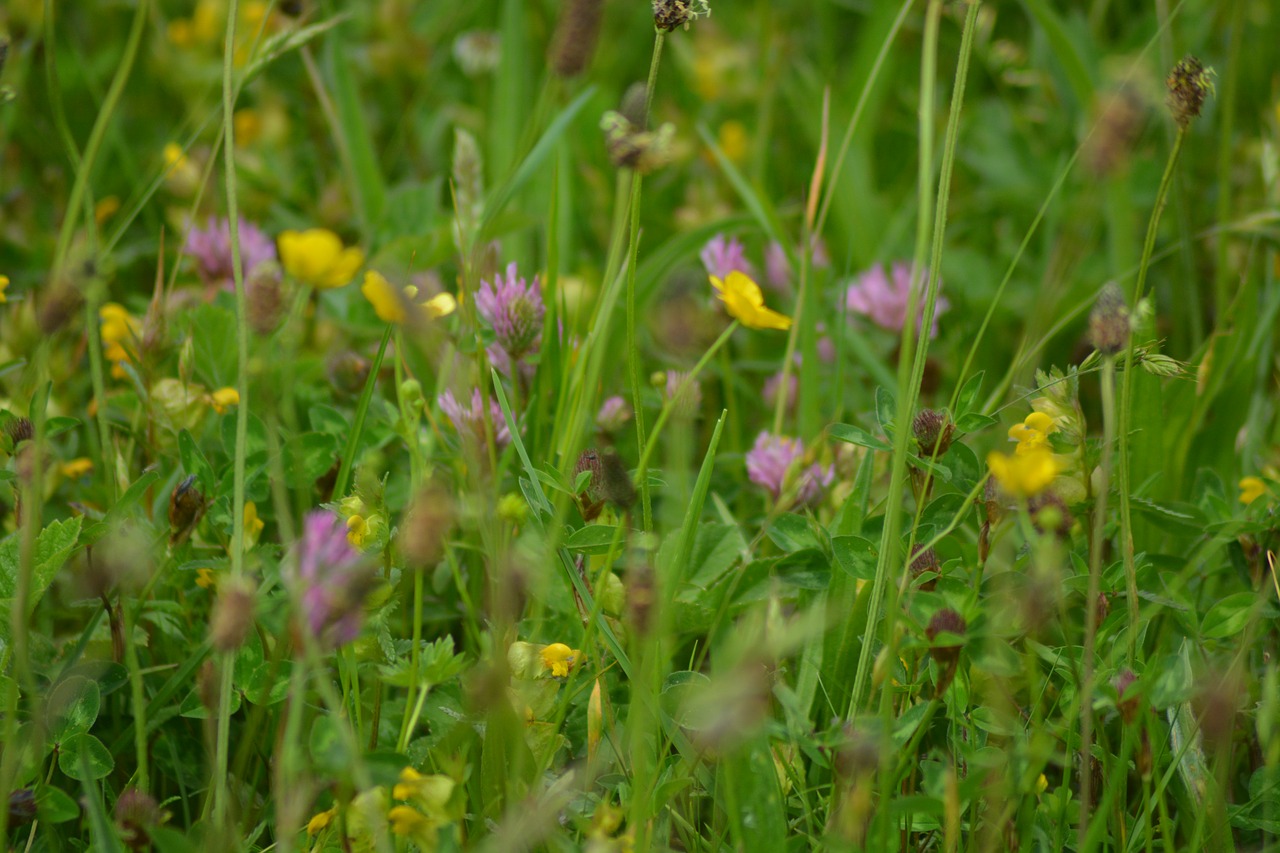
(222, 742)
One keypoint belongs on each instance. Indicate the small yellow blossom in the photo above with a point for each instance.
(4, 284)
(207, 579)
(252, 524)
(105, 209)
(406, 821)
(430, 793)
(1033, 433)
(560, 659)
(393, 307)
(318, 258)
(744, 301)
(248, 126)
(1024, 474)
(76, 468)
(1252, 488)
(733, 140)
(1042, 784)
(119, 328)
(357, 530)
(223, 399)
(321, 821)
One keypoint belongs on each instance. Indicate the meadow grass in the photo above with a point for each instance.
(639, 426)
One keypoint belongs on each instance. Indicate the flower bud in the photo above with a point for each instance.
(925, 562)
(264, 297)
(670, 14)
(944, 651)
(136, 815)
(19, 430)
(1128, 701)
(22, 807)
(186, 507)
(589, 501)
(576, 36)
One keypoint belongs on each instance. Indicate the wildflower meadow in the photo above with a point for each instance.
(639, 425)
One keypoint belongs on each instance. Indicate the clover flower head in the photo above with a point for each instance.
(684, 401)
(613, 415)
(774, 459)
(211, 248)
(778, 268)
(884, 297)
(722, 256)
(330, 580)
(470, 421)
(513, 308)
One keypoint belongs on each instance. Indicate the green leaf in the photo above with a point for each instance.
(53, 546)
(968, 395)
(753, 799)
(54, 805)
(83, 757)
(856, 556)
(1228, 616)
(886, 409)
(308, 456)
(593, 539)
(859, 436)
(213, 341)
(73, 706)
(194, 462)
(973, 422)
(55, 427)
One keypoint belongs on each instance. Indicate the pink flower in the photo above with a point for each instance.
(778, 268)
(330, 580)
(772, 458)
(884, 297)
(687, 402)
(721, 257)
(513, 309)
(470, 422)
(613, 415)
(211, 249)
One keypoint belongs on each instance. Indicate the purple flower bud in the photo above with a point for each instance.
(613, 415)
(470, 422)
(771, 459)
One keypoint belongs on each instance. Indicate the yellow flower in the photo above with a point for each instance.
(406, 821)
(1033, 433)
(76, 468)
(223, 399)
(429, 793)
(1042, 784)
(4, 284)
(560, 659)
(744, 301)
(317, 257)
(252, 524)
(248, 125)
(1252, 488)
(1024, 474)
(357, 530)
(207, 579)
(733, 140)
(105, 209)
(321, 821)
(119, 328)
(393, 307)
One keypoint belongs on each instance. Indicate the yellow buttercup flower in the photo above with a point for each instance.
(76, 468)
(318, 258)
(4, 284)
(1252, 488)
(560, 659)
(321, 821)
(223, 399)
(744, 301)
(1024, 474)
(393, 307)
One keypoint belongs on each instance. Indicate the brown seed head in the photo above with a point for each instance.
(233, 613)
(19, 430)
(925, 561)
(265, 298)
(1129, 705)
(576, 36)
(1109, 321)
(1189, 85)
(946, 621)
(1120, 117)
(933, 430)
(426, 526)
(22, 807)
(1049, 514)
(136, 815)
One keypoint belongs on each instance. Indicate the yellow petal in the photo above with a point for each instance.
(1251, 488)
(388, 305)
(441, 305)
(1040, 422)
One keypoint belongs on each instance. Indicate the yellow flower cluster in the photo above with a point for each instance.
(363, 525)
(223, 399)
(316, 257)
(1252, 488)
(121, 332)
(1033, 467)
(401, 306)
(745, 303)
(424, 809)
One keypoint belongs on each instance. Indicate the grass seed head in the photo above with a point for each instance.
(1189, 85)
